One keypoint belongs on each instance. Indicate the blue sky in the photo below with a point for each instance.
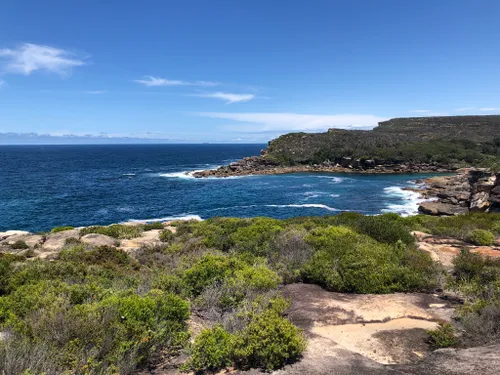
(242, 71)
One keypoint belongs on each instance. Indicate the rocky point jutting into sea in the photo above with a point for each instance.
(400, 145)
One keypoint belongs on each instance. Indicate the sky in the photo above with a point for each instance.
(241, 71)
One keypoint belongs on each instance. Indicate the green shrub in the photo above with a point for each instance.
(118, 231)
(166, 235)
(19, 245)
(442, 337)
(109, 336)
(256, 237)
(169, 283)
(209, 270)
(61, 229)
(268, 342)
(346, 261)
(211, 350)
(150, 226)
(481, 237)
(106, 256)
(6, 270)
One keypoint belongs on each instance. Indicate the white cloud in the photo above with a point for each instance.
(28, 58)
(151, 81)
(95, 92)
(420, 111)
(489, 109)
(268, 122)
(465, 109)
(229, 98)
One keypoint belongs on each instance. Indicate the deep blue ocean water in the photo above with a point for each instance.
(46, 186)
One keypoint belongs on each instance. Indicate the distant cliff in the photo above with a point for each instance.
(417, 144)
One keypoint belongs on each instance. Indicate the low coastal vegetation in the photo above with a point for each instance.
(101, 310)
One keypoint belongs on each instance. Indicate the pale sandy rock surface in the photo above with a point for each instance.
(95, 239)
(445, 249)
(149, 238)
(31, 240)
(9, 233)
(56, 241)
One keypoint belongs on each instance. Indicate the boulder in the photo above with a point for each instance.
(55, 242)
(150, 238)
(480, 201)
(95, 239)
(438, 208)
(345, 162)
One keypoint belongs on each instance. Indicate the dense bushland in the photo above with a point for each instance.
(460, 140)
(100, 311)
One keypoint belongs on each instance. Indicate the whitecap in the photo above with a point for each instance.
(128, 174)
(167, 218)
(334, 195)
(189, 175)
(311, 196)
(305, 205)
(409, 201)
(183, 175)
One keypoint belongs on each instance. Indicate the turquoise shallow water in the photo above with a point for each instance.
(46, 186)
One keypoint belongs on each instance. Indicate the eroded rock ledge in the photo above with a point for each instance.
(470, 190)
(260, 165)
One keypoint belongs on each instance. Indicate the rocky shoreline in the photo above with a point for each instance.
(470, 190)
(258, 165)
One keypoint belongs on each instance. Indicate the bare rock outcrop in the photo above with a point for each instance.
(471, 190)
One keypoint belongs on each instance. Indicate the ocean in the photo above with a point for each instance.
(46, 186)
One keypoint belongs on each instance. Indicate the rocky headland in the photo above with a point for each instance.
(259, 165)
(401, 145)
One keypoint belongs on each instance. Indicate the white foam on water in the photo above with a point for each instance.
(306, 205)
(335, 179)
(334, 195)
(188, 175)
(311, 196)
(128, 174)
(125, 209)
(410, 201)
(183, 174)
(167, 218)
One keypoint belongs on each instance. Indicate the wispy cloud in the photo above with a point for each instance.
(28, 58)
(151, 81)
(2, 82)
(95, 92)
(489, 109)
(465, 109)
(280, 122)
(420, 110)
(229, 98)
